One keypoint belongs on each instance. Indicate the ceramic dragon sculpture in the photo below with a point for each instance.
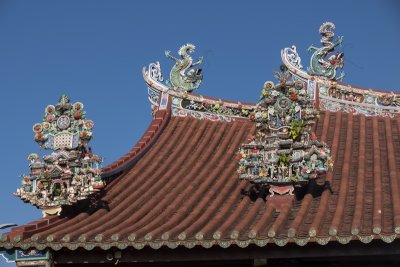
(320, 65)
(183, 74)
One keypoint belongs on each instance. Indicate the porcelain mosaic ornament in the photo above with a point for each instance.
(322, 62)
(184, 75)
(71, 172)
(284, 151)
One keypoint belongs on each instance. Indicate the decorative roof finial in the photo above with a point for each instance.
(320, 63)
(285, 151)
(71, 172)
(183, 75)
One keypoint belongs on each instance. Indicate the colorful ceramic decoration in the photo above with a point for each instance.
(320, 83)
(71, 172)
(183, 75)
(184, 78)
(320, 63)
(285, 151)
(216, 110)
(337, 97)
(323, 78)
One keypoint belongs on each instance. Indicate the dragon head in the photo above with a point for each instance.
(336, 61)
(186, 49)
(327, 28)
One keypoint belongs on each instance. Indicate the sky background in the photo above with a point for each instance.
(94, 51)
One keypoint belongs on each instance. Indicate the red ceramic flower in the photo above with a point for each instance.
(37, 128)
(50, 109)
(313, 137)
(50, 118)
(38, 135)
(77, 115)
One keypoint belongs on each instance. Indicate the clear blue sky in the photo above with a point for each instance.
(94, 52)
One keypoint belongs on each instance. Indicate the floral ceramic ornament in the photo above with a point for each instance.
(284, 151)
(71, 172)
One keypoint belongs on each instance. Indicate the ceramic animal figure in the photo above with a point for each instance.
(183, 74)
(319, 66)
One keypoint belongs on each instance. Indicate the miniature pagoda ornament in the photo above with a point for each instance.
(183, 75)
(284, 152)
(71, 172)
(320, 63)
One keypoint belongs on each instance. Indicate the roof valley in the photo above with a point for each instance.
(360, 184)
(394, 156)
(344, 177)
(213, 201)
(387, 186)
(315, 227)
(212, 177)
(141, 205)
(226, 142)
(84, 222)
(321, 130)
(377, 205)
(175, 197)
(368, 194)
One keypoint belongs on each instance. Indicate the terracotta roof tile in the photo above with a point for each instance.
(185, 190)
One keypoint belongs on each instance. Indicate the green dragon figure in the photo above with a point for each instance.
(318, 65)
(183, 75)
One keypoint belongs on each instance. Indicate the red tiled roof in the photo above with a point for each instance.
(185, 191)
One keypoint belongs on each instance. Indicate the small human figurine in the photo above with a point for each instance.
(314, 161)
(284, 170)
(255, 170)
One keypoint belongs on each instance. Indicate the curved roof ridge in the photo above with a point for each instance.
(361, 88)
(241, 110)
(156, 127)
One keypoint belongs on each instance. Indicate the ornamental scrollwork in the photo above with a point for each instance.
(292, 57)
(155, 72)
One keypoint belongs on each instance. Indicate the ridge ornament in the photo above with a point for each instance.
(320, 65)
(71, 172)
(285, 151)
(183, 75)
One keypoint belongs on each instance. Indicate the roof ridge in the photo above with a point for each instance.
(148, 138)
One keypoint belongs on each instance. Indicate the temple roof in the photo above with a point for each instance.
(184, 191)
(179, 184)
